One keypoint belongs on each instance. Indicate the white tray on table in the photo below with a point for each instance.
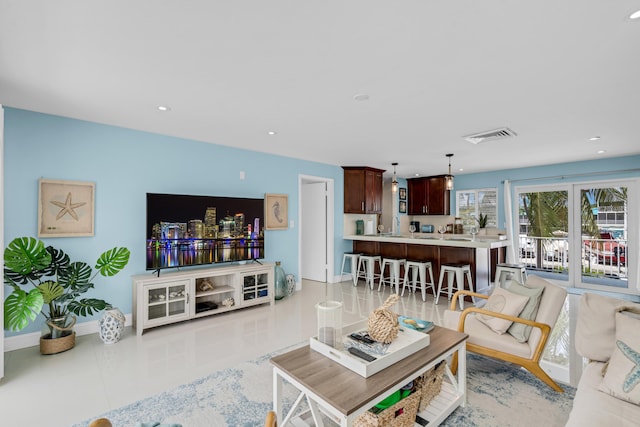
(408, 342)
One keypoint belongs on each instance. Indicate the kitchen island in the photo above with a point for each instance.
(482, 253)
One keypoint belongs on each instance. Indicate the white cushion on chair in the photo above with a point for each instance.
(505, 302)
(480, 334)
(520, 331)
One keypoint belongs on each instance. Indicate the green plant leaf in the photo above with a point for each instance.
(59, 261)
(14, 279)
(50, 290)
(87, 306)
(21, 307)
(112, 261)
(25, 255)
(75, 276)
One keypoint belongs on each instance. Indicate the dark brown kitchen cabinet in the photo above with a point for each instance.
(362, 190)
(428, 196)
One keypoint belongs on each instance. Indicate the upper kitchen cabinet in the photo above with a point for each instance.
(362, 190)
(428, 196)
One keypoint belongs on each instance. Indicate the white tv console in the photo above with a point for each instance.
(182, 295)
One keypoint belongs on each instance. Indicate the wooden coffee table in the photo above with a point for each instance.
(343, 395)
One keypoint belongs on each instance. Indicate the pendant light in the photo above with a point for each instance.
(448, 179)
(394, 182)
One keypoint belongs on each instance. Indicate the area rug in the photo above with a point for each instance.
(498, 394)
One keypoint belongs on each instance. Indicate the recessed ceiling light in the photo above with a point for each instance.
(635, 15)
(271, 132)
(460, 170)
(417, 174)
(594, 138)
(163, 108)
(361, 97)
(602, 151)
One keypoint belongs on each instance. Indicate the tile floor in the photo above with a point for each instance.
(62, 389)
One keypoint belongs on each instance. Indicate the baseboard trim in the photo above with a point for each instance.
(33, 339)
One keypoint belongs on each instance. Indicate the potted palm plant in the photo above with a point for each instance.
(44, 280)
(482, 222)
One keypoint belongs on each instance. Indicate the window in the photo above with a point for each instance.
(581, 233)
(543, 220)
(604, 236)
(471, 203)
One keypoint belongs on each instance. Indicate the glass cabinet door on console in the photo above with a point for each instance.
(255, 287)
(165, 301)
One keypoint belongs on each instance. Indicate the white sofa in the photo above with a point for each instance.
(596, 338)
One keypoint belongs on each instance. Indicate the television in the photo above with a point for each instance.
(188, 230)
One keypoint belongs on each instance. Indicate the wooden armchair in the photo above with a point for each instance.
(483, 340)
(270, 420)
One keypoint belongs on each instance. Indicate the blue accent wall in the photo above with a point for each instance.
(125, 165)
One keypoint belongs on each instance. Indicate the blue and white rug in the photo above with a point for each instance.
(499, 394)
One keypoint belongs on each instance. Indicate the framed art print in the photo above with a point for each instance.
(402, 207)
(402, 193)
(276, 208)
(65, 208)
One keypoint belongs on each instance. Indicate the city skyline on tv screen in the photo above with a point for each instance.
(185, 230)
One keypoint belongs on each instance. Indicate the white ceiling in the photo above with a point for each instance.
(556, 72)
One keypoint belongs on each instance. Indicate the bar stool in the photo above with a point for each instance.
(507, 271)
(352, 258)
(419, 271)
(460, 271)
(393, 279)
(367, 268)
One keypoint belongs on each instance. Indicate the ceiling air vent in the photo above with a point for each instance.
(490, 135)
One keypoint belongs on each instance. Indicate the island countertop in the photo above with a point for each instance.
(482, 253)
(452, 240)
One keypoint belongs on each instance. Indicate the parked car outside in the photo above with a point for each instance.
(606, 250)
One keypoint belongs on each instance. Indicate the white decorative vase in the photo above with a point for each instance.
(111, 326)
(291, 284)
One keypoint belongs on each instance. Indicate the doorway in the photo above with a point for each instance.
(316, 226)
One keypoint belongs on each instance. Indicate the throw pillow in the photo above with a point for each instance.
(622, 379)
(520, 331)
(596, 327)
(505, 302)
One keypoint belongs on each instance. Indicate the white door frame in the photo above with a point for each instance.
(302, 179)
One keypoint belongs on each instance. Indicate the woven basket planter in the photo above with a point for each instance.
(430, 384)
(401, 414)
(65, 341)
(50, 345)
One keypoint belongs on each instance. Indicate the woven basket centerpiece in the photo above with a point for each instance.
(383, 323)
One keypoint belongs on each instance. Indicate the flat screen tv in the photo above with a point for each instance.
(187, 230)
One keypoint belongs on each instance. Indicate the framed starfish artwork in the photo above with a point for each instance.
(65, 208)
(276, 211)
